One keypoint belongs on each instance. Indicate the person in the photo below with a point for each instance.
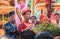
(53, 15)
(50, 10)
(43, 17)
(26, 24)
(44, 35)
(10, 27)
(27, 34)
(57, 17)
(33, 20)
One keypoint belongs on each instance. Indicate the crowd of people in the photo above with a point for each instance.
(25, 29)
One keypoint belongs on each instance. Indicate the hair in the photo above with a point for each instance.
(24, 12)
(27, 34)
(11, 13)
(32, 17)
(44, 35)
(56, 14)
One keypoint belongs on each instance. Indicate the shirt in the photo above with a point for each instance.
(10, 28)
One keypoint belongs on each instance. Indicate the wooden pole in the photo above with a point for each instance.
(32, 7)
(19, 14)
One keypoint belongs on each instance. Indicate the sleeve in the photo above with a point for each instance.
(21, 27)
(8, 28)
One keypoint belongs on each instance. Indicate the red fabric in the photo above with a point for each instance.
(37, 1)
(46, 0)
(58, 38)
(26, 12)
(23, 26)
(43, 18)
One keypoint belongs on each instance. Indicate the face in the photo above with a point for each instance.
(57, 18)
(27, 16)
(33, 19)
(52, 7)
(12, 18)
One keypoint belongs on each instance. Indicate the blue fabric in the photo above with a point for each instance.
(10, 28)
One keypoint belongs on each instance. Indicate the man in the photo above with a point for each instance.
(44, 35)
(26, 24)
(10, 27)
(27, 34)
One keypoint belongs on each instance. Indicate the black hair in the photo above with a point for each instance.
(56, 14)
(32, 17)
(27, 34)
(44, 35)
(11, 13)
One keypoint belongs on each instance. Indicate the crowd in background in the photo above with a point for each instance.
(25, 29)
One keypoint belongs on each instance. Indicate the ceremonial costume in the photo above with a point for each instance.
(43, 18)
(26, 24)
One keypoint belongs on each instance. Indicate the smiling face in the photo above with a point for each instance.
(27, 16)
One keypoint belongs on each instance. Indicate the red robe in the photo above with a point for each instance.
(43, 18)
(24, 25)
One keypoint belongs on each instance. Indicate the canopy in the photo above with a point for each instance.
(4, 3)
(6, 9)
(42, 6)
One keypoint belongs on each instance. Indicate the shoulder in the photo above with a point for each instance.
(7, 23)
(22, 24)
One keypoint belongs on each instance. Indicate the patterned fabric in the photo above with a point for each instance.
(25, 25)
(10, 30)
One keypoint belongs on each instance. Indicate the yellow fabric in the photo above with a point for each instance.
(2, 32)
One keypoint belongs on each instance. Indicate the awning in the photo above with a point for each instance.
(6, 9)
(42, 6)
(4, 3)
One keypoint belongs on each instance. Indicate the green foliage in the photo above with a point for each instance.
(47, 28)
(29, 4)
(57, 1)
(37, 14)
